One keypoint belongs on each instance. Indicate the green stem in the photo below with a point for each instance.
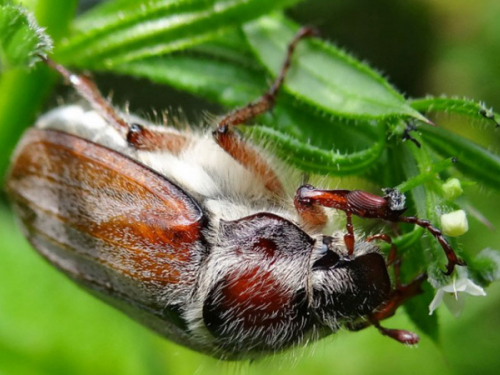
(425, 176)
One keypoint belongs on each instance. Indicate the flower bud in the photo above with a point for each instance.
(452, 189)
(454, 223)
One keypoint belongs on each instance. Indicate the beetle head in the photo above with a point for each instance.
(347, 287)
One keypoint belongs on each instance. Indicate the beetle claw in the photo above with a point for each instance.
(450, 267)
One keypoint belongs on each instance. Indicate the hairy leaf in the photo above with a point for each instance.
(106, 38)
(22, 41)
(314, 159)
(461, 106)
(474, 161)
(485, 267)
(224, 83)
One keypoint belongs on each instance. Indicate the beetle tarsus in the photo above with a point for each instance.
(400, 335)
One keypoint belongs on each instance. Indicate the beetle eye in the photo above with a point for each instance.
(327, 261)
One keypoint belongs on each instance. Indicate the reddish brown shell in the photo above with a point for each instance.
(105, 219)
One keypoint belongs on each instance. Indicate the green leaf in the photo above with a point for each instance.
(106, 39)
(231, 47)
(225, 83)
(461, 106)
(474, 161)
(316, 160)
(22, 41)
(324, 76)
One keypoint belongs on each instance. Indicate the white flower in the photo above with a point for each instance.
(454, 223)
(449, 294)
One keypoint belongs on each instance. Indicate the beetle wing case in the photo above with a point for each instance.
(108, 222)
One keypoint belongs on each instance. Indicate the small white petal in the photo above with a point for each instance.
(453, 295)
(454, 223)
(474, 290)
(436, 301)
(457, 285)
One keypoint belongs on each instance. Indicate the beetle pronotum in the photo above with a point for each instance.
(193, 234)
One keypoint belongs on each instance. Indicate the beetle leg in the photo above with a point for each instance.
(138, 136)
(386, 238)
(371, 206)
(235, 146)
(349, 236)
(250, 158)
(453, 260)
(266, 101)
(400, 335)
(397, 298)
(148, 139)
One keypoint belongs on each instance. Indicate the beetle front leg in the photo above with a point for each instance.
(401, 335)
(366, 205)
(137, 136)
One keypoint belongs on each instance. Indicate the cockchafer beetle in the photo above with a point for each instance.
(193, 235)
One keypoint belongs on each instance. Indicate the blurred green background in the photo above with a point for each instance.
(49, 326)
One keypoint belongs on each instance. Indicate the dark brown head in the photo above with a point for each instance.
(345, 288)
